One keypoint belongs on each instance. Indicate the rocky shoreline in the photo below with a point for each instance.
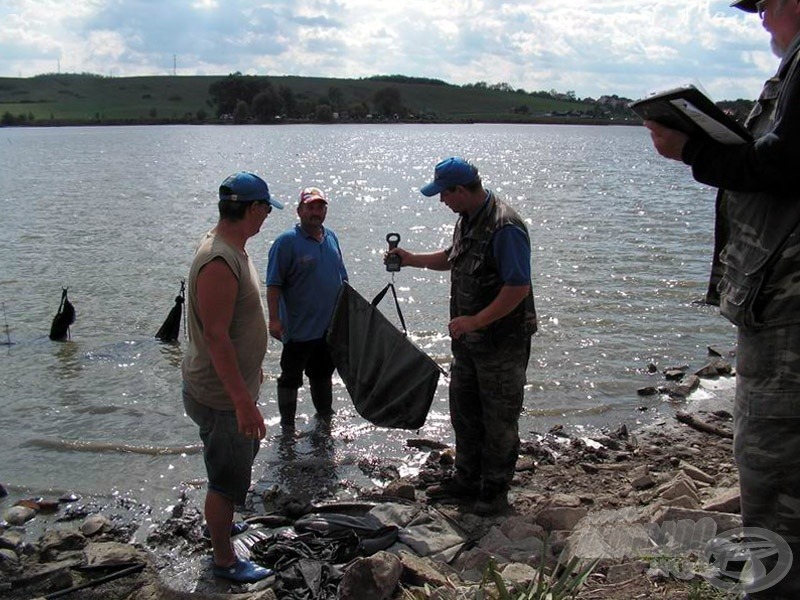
(568, 494)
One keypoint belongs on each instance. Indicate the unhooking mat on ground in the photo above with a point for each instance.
(309, 557)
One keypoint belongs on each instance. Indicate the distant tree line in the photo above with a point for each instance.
(407, 79)
(8, 119)
(244, 98)
(250, 98)
(247, 98)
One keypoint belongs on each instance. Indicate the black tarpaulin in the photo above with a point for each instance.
(390, 380)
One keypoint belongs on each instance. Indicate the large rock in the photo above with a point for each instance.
(726, 500)
(722, 521)
(54, 575)
(472, 563)
(8, 557)
(683, 502)
(419, 571)
(517, 528)
(11, 539)
(18, 515)
(400, 489)
(494, 541)
(107, 554)
(519, 574)
(526, 550)
(695, 474)
(55, 540)
(715, 368)
(565, 500)
(375, 577)
(641, 479)
(611, 534)
(94, 524)
(559, 517)
(681, 485)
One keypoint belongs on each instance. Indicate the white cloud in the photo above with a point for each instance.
(628, 47)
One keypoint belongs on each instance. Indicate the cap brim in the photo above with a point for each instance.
(431, 189)
(276, 204)
(745, 5)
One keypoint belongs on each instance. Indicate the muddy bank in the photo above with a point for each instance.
(565, 486)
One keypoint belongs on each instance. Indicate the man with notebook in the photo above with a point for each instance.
(755, 280)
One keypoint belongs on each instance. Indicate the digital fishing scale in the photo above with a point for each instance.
(393, 260)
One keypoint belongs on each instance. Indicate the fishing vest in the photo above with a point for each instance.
(757, 247)
(475, 277)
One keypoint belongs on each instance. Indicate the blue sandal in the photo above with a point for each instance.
(243, 571)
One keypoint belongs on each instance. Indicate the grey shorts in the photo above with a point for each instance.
(228, 455)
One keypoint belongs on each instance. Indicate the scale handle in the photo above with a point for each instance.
(393, 260)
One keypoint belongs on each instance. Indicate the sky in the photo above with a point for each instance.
(625, 47)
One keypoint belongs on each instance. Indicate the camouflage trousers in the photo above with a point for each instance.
(767, 441)
(486, 394)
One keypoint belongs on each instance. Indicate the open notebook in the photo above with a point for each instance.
(688, 109)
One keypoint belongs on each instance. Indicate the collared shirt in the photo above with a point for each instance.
(789, 54)
(310, 274)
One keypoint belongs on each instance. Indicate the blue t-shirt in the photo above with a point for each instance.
(513, 254)
(310, 275)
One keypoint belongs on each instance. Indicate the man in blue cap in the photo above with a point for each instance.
(755, 280)
(222, 365)
(492, 318)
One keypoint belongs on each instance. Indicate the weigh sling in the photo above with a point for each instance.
(391, 381)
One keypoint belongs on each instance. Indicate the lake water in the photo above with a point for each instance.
(621, 245)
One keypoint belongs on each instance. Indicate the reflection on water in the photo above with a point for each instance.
(305, 468)
(172, 353)
(69, 366)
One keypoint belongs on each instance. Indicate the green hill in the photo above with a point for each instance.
(87, 98)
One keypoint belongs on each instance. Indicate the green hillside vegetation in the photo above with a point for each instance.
(56, 99)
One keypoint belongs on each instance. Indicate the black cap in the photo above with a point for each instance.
(745, 5)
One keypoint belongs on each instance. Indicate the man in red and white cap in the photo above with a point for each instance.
(304, 275)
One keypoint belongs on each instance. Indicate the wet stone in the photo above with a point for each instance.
(60, 540)
(94, 524)
(375, 577)
(9, 557)
(49, 506)
(111, 553)
(17, 515)
(11, 539)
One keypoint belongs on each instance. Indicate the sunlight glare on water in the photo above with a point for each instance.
(621, 246)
